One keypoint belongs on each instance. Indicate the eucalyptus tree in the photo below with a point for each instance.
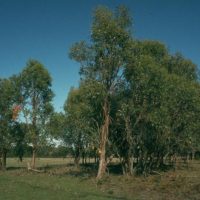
(82, 119)
(183, 104)
(152, 96)
(9, 98)
(5, 118)
(103, 60)
(75, 134)
(37, 96)
(143, 113)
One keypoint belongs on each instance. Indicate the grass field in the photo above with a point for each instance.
(61, 181)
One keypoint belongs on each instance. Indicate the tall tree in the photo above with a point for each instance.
(37, 95)
(103, 60)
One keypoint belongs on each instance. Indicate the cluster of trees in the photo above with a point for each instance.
(135, 101)
(25, 108)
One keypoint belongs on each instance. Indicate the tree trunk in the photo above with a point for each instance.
(129, 139)
(33, 158)
(193, 154)
(0, 164)
(34, 125)
(130, 165)
(4, 154)
(77, 156)
(76, 161)
(103, 141)
(0, 160)
(83, 157)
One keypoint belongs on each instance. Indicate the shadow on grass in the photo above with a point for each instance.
(14, 168)
(51, 166)
(84, 171)
(87, 170)
(90, 170)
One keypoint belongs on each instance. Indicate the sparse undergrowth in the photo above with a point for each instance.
(63, 181)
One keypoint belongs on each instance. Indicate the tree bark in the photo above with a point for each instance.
(103, 141)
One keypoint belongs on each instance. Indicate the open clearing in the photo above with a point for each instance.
(60, 180)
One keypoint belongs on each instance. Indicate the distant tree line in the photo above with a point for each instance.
(136, 102)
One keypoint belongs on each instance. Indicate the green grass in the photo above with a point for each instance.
(63, 182)
(33, 186)
(40, 162)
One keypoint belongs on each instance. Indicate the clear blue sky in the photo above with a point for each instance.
(45, 30)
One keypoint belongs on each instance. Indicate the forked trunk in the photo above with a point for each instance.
(103, 141)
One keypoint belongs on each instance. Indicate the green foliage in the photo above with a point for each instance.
(135, 101)
(151, 96)
(165, 106)
(102, 59)
(8, 100)
(102, 62)
(6, 105)
(56, 125)
(177, 64)
(37, 95)
(82, 119)
(36, 88)
(19, 145)
(31, 92)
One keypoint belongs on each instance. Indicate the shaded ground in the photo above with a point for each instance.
(61, 180)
